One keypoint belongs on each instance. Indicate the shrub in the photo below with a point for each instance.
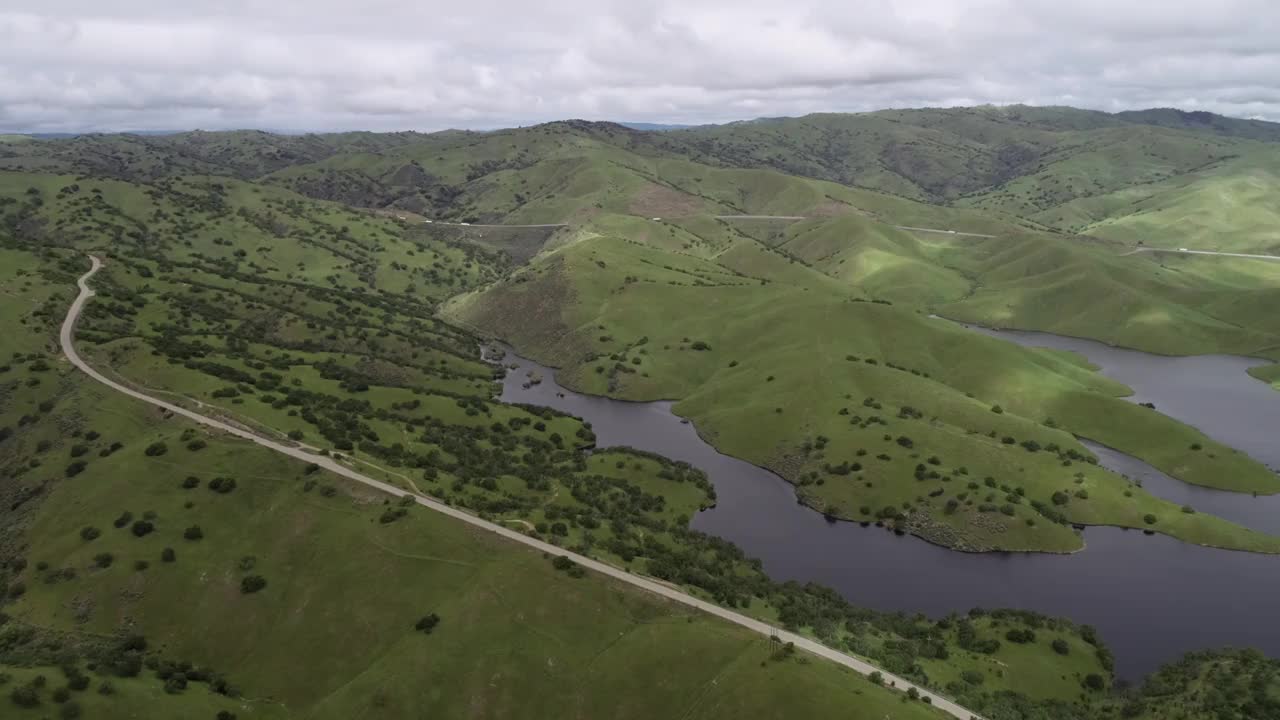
(89, 533)
(1061, 647)
(76, 680)
(70, 710)
(197, 444)
(1020, 636)
(193, 533)
(252, 584)
(76, 468)
(973, 677)
(191, 481)
(168, 555)
(25, 696)
(1188, 510)
(1094, 681)
(876, 678)
(997, 409)
(222, 485)
(143, 527)
(156, 449)
(103, 560)
(427, 623)
(125, 518)
(1149, 519)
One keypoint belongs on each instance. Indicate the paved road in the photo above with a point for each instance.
(942, 232)
(1200, 252)
(805, 217)
(803, 643)
(761, 217)
(482, 225)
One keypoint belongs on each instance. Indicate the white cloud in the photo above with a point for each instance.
(322, 64)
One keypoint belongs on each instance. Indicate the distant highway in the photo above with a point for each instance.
(940, 231)
(483, 225)
(943, 232)
(66, 337)
(761, 217)
(1184, 251)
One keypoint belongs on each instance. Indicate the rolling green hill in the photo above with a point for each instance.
(291, 284)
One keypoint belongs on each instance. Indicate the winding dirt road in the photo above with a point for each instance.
(67, 335)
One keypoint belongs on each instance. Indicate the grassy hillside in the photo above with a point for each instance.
(291, 285)
(123, 523)
(876, 411)
(1164, 177)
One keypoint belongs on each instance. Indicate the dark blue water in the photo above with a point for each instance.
(1152, 598)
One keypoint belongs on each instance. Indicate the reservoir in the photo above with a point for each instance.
(1152, 598)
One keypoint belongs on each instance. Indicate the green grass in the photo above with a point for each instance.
(126, 698)
(613, 293)
(517, 637)
(1029, 668)
(256, 256)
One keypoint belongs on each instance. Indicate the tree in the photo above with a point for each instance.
(222, 485)
(193, 533)
(1094, 681)
(913, 693)
(876, 677)
(156, 449)
(1061, 647)
(252, 584)
(25, 696)
(1149, 519)
(89, 533)
(427, 623)
(143, 527)
(1020, 636)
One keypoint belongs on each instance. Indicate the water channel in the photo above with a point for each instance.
(1151, 597)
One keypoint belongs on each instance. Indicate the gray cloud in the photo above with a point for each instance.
(323, 64)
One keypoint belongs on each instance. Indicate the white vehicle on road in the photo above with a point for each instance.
(1183, 250)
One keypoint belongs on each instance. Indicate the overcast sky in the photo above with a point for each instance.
(395, 64)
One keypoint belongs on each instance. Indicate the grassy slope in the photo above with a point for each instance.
(1162, 304)
(1156, 177)
(579, 647)
(573, 646)
(644, 182)
(635, 339)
